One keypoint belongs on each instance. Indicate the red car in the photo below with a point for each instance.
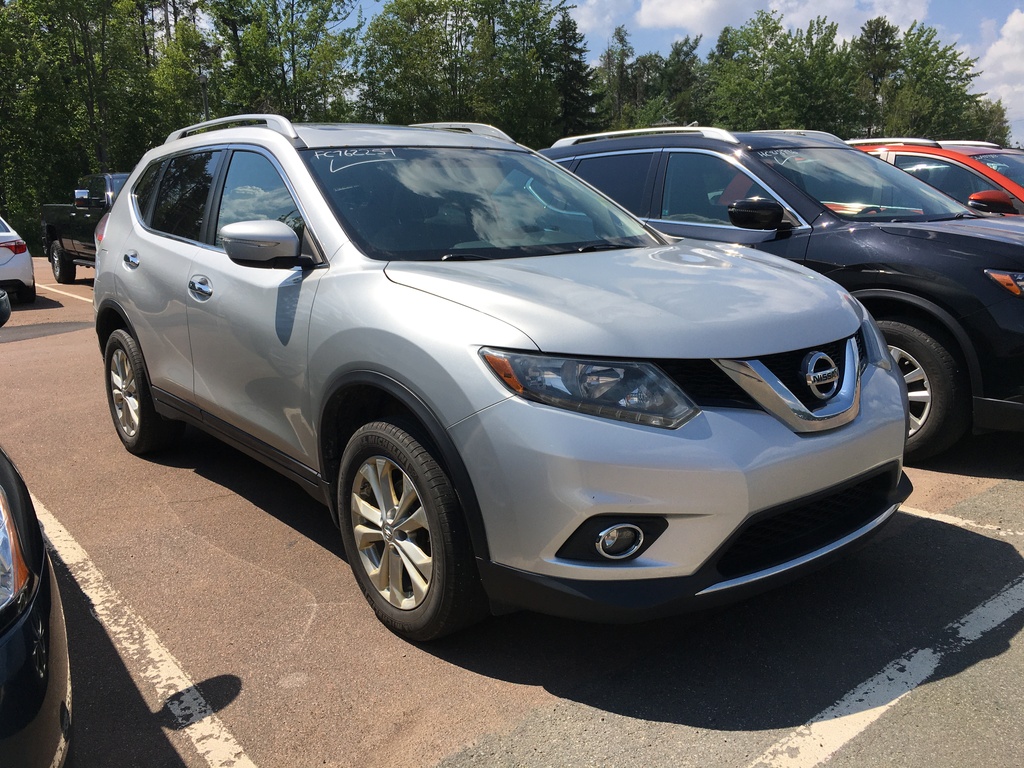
(984, 176)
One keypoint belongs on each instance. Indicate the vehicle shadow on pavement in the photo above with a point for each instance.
(111, 724)
(774, 661)
(269, 491)
(993, 455)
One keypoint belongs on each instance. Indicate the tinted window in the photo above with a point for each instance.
(181, 200)
(253, 190)
(142, 194)
(955, 180)
(1011, 165)
(419, 203)
(621, 177)
(699, 188)
(97, 191)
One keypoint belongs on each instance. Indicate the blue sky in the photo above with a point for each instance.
(991, 31)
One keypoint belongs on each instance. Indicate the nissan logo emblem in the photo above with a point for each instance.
(821, 374)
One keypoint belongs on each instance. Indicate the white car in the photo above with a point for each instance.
(16, 275)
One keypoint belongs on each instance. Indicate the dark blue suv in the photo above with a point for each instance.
(944, 282)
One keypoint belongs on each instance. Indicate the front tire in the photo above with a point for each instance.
(404, 534)
(938, 389)
(140, 427)
(64, 269)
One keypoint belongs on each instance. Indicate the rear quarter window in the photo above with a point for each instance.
(622, 177)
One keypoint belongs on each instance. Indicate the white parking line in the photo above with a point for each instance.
(53, 289)
(827, 733)
(142, 651)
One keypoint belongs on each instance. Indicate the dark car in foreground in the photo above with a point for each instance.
(945, 284)
(35, 679)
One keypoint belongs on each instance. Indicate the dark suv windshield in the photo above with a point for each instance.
(417, 203)
(857, 186)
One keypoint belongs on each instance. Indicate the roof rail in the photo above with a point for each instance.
(710, 133)
(825, 135)
(904, 141)
(274, 122)
(982, 144)
(480, 129)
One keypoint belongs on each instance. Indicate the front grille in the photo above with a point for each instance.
(710, 387)
(782, 534)
(706, 384)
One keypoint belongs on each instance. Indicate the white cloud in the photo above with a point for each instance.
(708, 17)
(597, 19)
(1002, 70)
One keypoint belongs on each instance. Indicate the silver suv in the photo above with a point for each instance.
(508, 391)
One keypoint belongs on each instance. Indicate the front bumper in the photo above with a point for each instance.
(541, 473)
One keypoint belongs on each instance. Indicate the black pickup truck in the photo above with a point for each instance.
(68, 227)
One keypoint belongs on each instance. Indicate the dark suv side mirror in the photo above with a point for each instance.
(991, 201)
(259, 241)
(756, 213)
(81, 198)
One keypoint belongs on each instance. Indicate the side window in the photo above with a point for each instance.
(699, 188)
(142, 194)
(181, 201)
(621, 177)
(97, 192)
(955, 180)
(253, 190)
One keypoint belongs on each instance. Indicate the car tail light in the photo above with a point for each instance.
(101, 228)
(15, 246)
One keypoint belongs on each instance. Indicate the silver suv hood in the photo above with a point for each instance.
(679, 301)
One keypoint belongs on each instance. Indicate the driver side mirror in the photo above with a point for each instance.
(757, 213)
(991, 201)
(259, 241)
(81, 198)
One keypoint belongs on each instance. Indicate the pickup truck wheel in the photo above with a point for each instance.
(404, 534)
(140, 427)
(937, 386)
(63, 268)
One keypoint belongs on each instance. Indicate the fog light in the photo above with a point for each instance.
(619, 541)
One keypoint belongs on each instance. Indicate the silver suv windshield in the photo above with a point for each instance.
(857, 186)
(428, 204)
(1010, 165)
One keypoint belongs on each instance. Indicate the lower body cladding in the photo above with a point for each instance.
(35, 683)
(731, 503)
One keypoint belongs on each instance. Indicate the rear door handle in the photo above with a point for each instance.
(131, 259)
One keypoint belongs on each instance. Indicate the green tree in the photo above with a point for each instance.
(876, 59)
(822, 77)
(573, 80)
(752, 72)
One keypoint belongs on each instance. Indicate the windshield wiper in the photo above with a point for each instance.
(604, 245)
(465, 257)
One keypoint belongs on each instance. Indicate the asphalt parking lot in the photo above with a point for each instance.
(213, 621)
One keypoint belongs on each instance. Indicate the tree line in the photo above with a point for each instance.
(90, 85)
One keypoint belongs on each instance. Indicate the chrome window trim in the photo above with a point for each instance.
(802, 225)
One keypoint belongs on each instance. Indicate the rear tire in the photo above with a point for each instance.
(64, 269)
(140, 427)
(404, 534)
(937, 384)
(27, 295)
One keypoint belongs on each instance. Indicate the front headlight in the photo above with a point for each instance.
(875, 344)
(13, 569)
(639, 393)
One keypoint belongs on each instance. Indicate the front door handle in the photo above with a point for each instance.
(200, 286)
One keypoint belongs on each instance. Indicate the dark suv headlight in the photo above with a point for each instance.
(639, 393)
(14, 571)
